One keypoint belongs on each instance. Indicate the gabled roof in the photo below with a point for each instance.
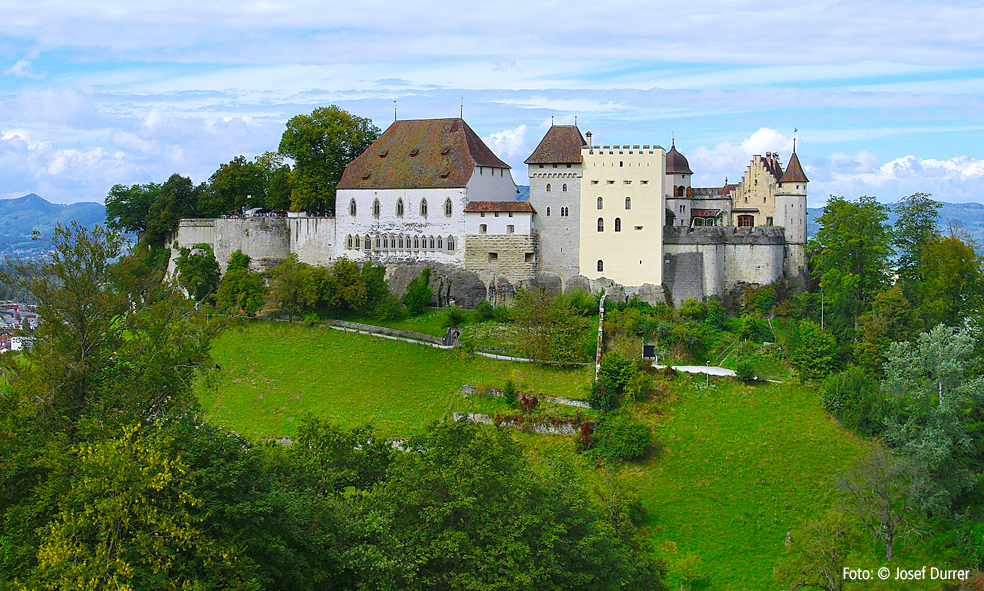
(676, 163)
(561, 145)
(420, 154)
(484, 206)
(794, 172)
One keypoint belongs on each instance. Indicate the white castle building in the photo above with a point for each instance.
(430, 192)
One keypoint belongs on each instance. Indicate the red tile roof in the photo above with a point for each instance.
(420, 154)
(517, 206)
(561, 145)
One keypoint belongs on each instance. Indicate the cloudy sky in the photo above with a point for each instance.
(888, 96)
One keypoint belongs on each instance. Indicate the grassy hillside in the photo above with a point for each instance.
(274, 373)
(739, 466)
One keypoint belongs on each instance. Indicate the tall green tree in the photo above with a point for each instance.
(321, 145)
(891, 318)
(198, 272)
(236, 185)
(915, 226)
(177, 198)
(277, 175)
(951, 280)
(127, 206)
(851, 256)
(935, 417)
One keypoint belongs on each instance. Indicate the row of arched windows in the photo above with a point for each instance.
(399, 242)
(601, 203)
(448, 208)
(564, 189)
(564, 212)
(618, 224)
(554, 175)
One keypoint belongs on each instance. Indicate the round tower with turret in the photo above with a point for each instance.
(678, 190)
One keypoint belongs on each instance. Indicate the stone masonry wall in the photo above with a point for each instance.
(513, 256)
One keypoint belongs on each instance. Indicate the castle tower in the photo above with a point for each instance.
(623, 213)
(555, 193)
(678, 190)
(791, 213)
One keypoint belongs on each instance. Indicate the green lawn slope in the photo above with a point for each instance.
(273, 373)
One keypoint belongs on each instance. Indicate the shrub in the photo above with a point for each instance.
(814, 353)
(484, 311)
(237, 260)
(745, 371)
(604, 396)
(503, 313)
(853, 397)
(509, 393)
(528, 403)
(616, 369)
(453, 316)
(419, 294)
(622, 436)
(640, 386)
(389, 308)
(580, 300)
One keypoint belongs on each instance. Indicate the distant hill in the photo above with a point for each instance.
(970, 216)
(20, 217)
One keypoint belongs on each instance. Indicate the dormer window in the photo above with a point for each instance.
(383, 153)
(414, 152)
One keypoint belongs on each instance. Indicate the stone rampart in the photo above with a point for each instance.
(509, 255)
(264, 239)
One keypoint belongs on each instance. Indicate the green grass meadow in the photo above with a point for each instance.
(275, 373)
(737, 467)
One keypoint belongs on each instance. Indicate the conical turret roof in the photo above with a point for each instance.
(794, 172)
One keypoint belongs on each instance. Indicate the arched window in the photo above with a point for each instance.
(483, 228)
(377, 243)
(401, 241)
(440, 243)
(601, 203)
(450, 243)
(564, 188)
(431, 242)
(367, 243)
(348, 242)
(447, 208)
(416, 243)
(399, 208)
(423, 208)
(601, 266)
(681, 191)
(618, 224)
(628, 203)
(601, 225)
(358, 244)
(352, 207)
(548, 187)
(548, 212)
(375, 208)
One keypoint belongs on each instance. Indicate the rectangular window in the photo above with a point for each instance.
(482, 229)
(638, 227)
(626, 182)
(482, 214)
(510, 229)
(594, 182)
(510, 214)
(530, 257)
(493, 256)
(611, 182)
(644, 182)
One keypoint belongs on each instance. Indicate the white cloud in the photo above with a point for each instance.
(23, 68)
(712, 165)
(509, 144)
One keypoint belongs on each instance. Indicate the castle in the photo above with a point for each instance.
(622, 218)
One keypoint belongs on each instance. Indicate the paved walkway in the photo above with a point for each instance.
(708, 369)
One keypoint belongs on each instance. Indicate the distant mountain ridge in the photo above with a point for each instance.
(20, 217)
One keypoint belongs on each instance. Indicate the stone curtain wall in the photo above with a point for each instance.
(264, 239)
(312, 239)
(515, 255)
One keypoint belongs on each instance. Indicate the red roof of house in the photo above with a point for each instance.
(420, 154)
(561, 145)
(515, 206)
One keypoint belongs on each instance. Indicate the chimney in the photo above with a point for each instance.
(588, 135)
